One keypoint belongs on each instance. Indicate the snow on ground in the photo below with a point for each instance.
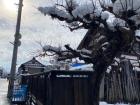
(3, 92)
(104, 103)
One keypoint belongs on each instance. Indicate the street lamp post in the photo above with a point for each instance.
(15, 50)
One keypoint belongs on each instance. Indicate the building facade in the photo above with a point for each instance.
(31, 67)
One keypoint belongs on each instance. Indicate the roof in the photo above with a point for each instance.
(86, 40)
(92, 39)
(33, 63)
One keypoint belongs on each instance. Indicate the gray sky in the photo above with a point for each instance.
(34, 27)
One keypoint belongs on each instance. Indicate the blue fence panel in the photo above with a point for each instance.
(19, 94)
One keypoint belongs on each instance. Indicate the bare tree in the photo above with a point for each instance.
(112, 27)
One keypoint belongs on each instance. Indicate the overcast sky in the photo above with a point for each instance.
(34, 27)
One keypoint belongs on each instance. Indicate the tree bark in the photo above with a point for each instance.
(104, 59)
(96, 82)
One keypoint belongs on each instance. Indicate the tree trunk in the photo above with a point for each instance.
(104, 59)
(96, 82)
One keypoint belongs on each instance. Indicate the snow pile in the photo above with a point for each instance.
(136, 19)
(81, 11)
(137, 33)
(77, 10)
(133, 6)
(124, 5)
(51, 48)
(105, 15)
(87, 12)
(82, 15)
(54, 11)
(104, 103)
(85, 9)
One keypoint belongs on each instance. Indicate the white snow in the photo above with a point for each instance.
(90, 8)
(105, 15)
(119, 22)
(3, 92)
(83, 10)
(104, 44)
(55, 11)
(137, 33)
(94, 9)
(123, 5)
(113, 22)
(102, 25)
(136, 18)
(78, 10)
(85, 56)
(104, 103)
(98, 12)
(86, 51)
(51, 48)
(75, 23)
(137, 69)
(129, 57)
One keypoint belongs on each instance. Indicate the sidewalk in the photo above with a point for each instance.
(3, 92)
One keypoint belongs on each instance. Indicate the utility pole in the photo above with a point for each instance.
(17, 43)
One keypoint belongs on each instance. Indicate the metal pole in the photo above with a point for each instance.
(15, 50)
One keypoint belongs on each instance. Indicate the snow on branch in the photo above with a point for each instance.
(100, 11)
(51, 48)
(83, 14)
(128, 10)
(69, 53)
(55, 13)
(126, 5)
